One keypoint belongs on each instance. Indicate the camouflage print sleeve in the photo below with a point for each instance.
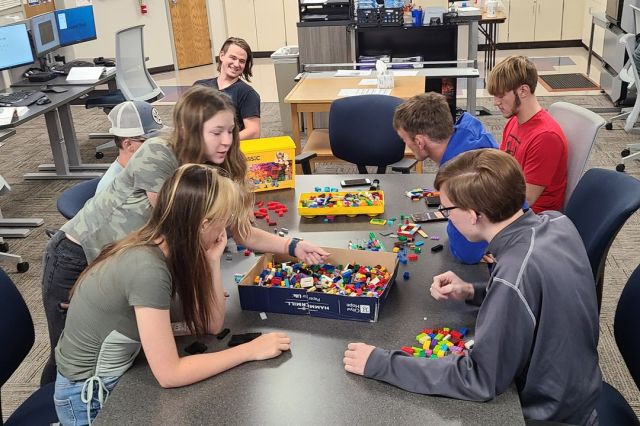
(154, 162)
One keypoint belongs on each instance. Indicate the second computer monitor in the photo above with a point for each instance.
(45, 33)
(75, 25)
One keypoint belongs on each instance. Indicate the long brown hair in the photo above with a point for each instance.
(242, 44)
(193, 194)
(195, 106)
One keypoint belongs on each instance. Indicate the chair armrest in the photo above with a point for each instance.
(404, 166)
(304, 160)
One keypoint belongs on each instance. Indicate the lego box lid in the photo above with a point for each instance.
(251, 146)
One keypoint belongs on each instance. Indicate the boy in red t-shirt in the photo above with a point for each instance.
(531, 135)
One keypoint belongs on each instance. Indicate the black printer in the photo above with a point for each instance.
(325, 10)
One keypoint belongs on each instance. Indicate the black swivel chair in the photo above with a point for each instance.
(361, 132)
(612, 408)
(17, 336)
(600, 205)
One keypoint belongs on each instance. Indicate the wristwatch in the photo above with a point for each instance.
(292, 246)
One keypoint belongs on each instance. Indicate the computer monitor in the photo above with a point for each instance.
(45, 33)
(15, 48)
(75, 25)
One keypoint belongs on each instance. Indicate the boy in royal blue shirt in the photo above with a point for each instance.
(425, 125)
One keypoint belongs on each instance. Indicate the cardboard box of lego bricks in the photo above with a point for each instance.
(299, 301)
(270, 162)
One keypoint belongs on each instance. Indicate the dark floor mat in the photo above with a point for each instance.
(564, 82)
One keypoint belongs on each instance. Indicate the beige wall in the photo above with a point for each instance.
(114, 15)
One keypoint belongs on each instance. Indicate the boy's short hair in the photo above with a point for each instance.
(510, 74)
(425, 114)
(118, 141)
(488, 181)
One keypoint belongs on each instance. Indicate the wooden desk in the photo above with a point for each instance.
(315, 94)
(488, 26)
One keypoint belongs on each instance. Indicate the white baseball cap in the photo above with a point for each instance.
(135, 119)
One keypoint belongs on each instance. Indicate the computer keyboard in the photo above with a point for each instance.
(20, 98)
(65, 68)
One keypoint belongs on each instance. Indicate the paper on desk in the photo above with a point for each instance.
(109, 70)
(358, 92)
(7, 114)
(352, 73)
(84, 74)
(368, 82)
(404, 73)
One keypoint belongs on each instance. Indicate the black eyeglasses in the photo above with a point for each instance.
(445, 210)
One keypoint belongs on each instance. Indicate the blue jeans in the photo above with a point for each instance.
(69, 406)
(62, 264)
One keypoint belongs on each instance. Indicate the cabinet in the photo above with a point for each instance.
(572, 19)
(265, 24)
(543, 20)
(535, 20)
(590, 7)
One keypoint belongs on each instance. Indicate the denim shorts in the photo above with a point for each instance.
(69, 406)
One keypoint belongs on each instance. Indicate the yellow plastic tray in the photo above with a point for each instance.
(310, 212)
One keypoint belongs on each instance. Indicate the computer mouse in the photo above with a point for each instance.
(43, 100)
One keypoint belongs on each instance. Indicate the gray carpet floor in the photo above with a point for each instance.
(30, 146)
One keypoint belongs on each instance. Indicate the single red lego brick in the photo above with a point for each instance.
(408, 350)
(413, 257)
(260, 203)
(247, 252)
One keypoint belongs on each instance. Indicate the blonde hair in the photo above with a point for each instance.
(510, 74)
(488, 181)
(426, 114)
(193, 194)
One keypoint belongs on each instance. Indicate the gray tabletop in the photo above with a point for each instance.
(308, 385)
(57, 100)
(61, 80)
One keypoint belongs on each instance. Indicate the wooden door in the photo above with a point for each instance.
(572, 19)
(241, 21)
(522, 20)
(191, 37)
(548, 20)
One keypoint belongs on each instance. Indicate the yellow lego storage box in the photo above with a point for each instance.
(270, 162)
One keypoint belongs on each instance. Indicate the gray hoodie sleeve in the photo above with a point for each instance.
(503, 340)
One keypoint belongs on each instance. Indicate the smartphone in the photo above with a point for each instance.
(428, 217)
(239, 339)
(355, 182)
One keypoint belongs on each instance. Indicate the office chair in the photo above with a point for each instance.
(361, 132)
(11, 231)
(132, 77)
(17, 336)
(600, 205)
(629, 74)
(580, 126)
(612, 408)
(74, 198)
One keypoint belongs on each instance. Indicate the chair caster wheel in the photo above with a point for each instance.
(4, 247)
(625, 152)
(23, 267)
(99, 155)
(608, 126)
(620, 167)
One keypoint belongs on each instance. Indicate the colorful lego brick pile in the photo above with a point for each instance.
(351, 280)
(372, 244)
(438, 343)
(349, 199)
(420, 193)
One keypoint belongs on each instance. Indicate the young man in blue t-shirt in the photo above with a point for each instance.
(425, 125)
